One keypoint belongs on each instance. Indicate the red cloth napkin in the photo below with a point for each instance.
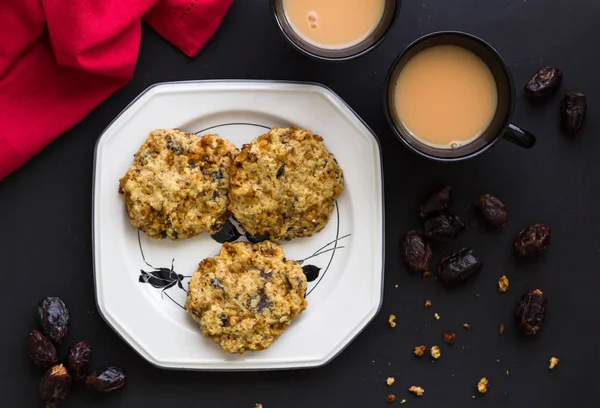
(59, 60)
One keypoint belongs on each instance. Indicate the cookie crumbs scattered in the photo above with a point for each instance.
(403, 401)
(390, 398)
(392, 320)
(467, 326)
(554, 362)
(436, 352)
(482, 385)
(390, 380)
(501, 329)
(420, 350)
(417, 390)
(427, 304)
(503, 284)
(437, 316)
(449, 338)
(426, 274)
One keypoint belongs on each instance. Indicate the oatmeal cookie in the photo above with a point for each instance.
(246, 296)
(284, 184)
(177, 185)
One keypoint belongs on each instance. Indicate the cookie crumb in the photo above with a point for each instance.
(258, 405)
(403, 401)
(449, 338)
(437, 316)
(392, 320)
(482, 385)
(427, 304)
(390, 398)
(473, 396)
(396, 286)
(477, 295)
(507, 372)
(554, 362)
(501, 329)
(436, 352)
(467, 326)
(503, 284)
(426, 274)
(417, 390)
(390, 380)
(420, 350)
(497, 360)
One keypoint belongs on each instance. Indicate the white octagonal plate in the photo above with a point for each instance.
(344, 297)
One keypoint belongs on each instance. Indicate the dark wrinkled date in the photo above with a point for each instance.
(531, 312)
(106, 379)
(492, 210)
(55, 386)
(444, 228)
(544, 84)
(532, 240)
(459, 267)
(41, 350)
(572, 113)
(416, 251)
(438, 201)
(56, 382)
(54, 318)
(79, 359)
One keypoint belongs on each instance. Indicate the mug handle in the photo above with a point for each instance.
(519, 136)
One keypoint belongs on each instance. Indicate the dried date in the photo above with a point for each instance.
(54, 318)
(439, 200)
(572, 112)
(444, 228)
(532, 240)
(416, 251)
(41, 350)
(55, 386)
(492, 210)
(106, 379)
(459, 267)
(79, 359)
(531, 312)
(543, 84)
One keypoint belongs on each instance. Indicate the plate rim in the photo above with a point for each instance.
(160, 364)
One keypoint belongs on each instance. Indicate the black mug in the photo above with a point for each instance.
(500, 126)
(390, 13)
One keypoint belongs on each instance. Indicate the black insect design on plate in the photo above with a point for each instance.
(162, 278)
(312, 271)
(230, 233)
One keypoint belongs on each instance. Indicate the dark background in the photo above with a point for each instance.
(45, 229)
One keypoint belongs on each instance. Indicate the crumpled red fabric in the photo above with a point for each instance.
(60, 59)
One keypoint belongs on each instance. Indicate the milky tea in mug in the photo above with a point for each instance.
(445, 96)
(333, 24)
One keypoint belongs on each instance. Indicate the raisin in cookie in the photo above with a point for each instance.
(177, 185)
(284, 184)
(246, 296)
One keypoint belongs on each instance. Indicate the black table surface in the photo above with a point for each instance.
(46, 247)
